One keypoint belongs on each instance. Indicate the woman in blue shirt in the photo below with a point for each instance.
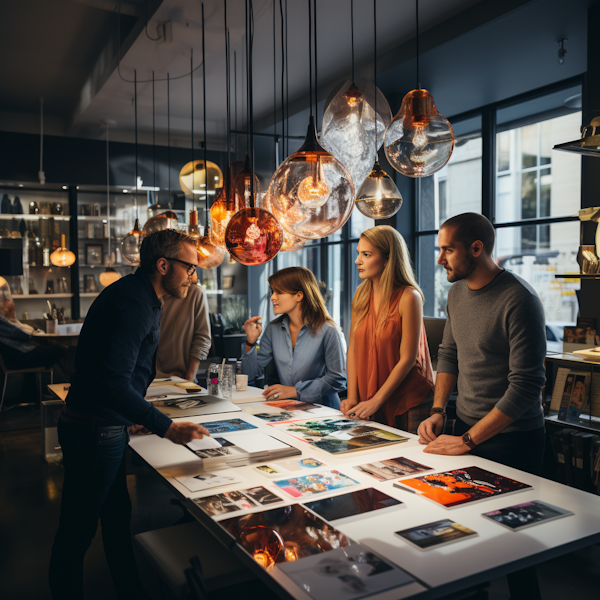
(305, 344)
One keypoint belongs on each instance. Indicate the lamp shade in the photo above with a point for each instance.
(209, 255)
(589, 144)
(166, 220)
(253, 236)
(311, 193)
(130, 245)
(378, 197)
(242, 186)
(419, 140)
(62, 257)
(108, 276)
(348, 131)
(193, 177)
(220, 214)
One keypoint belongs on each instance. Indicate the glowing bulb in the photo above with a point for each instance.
(252, 234)
(419, 139)
(313, 192)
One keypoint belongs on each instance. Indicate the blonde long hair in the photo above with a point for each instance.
(397, 273)
(312, 305)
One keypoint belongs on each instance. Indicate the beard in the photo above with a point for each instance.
(463, 271)
(173, 287)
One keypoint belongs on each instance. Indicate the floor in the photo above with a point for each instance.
(29, 505)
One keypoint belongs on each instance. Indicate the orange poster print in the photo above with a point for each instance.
(461, 486)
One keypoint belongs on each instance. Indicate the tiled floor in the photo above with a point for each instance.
(29, 504)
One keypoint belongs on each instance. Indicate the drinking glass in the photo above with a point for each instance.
(226, 383)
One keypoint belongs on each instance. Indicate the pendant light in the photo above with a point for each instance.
(253, 236)
(209, 255)
(226, 205)
(419, 140)
(311, 193)
(110, 274)
(166, 220)
(589, 144)
(378, 197)
(131, 243)
(62, 257)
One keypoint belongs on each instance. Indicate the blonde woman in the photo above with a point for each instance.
(389, 367)
(304, 343)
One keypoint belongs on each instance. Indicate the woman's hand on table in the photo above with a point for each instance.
(280, 392)
(364, 410)
(253, 329)
(183, 433)
(347, 404)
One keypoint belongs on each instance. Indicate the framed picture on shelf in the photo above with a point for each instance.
(228, 282)
(93, 254)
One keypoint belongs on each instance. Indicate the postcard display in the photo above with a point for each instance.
(354, 511)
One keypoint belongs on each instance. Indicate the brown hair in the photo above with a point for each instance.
(165, 243)
(470, 227)
(299, 279)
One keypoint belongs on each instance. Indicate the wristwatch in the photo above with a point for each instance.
(466, 438)
(436, 410)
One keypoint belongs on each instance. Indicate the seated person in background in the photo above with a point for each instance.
(306, 345)
(18, 347)
(389, 367)
(184, 334)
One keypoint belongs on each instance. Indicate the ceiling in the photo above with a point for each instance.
(81, 55)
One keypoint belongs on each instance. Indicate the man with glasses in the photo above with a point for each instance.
(114, 365)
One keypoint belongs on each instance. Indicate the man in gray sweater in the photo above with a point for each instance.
(494, 344)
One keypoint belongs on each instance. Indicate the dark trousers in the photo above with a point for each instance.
(523, 450)
(94, 488)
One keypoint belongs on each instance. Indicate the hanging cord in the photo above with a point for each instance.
(417, 19)
(204, 127)
(146, 28)
(153, 137)
(41, 173)
(250, 40)
(247, 81)
(375, 67)
(137, 210)
(287, 84)
(235, 97)
(316, 74)
(310, 95)
(169, 133)
(283, 129)
(228, 102)
(192, 106)
(352, 34)
(110, 264)
(274, 82)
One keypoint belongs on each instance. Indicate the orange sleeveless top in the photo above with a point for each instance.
(377, 355)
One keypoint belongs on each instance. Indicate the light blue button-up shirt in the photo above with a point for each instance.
(316, 367)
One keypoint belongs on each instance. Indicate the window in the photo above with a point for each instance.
(537, 191)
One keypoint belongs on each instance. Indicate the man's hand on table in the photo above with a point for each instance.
(183, 433)
(447, 444)
(430, 428)
(280, 392)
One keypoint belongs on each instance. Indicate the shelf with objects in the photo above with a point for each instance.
(38, 219)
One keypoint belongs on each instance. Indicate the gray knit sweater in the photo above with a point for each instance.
(495, 342)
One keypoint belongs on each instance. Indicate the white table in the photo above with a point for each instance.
(494, 552)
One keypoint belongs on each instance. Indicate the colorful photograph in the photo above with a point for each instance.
(345, 574)
(278, 411)
(527, 514)
(283, 534)
(316, 483)
(227, 426)
(228, 502)
(462, 486)
(435, 534)
(353, 503)
(392, 468)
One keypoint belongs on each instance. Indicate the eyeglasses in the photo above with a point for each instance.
(190, 266)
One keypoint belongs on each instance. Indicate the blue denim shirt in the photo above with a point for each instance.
(316, 367)
(116, 355)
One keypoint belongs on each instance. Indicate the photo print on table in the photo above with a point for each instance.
(438, 533)
(461, 486)
(345, 574)
(338, 436)
(227, 426)
(317, 483)
(287, 410)
(351, 504)
(392, 468)
(229, 502)
(205, 481)
(284, 534)
(524, 515)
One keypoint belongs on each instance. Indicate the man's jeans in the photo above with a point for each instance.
(94, 488)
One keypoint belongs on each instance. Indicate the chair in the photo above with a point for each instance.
(39, 370)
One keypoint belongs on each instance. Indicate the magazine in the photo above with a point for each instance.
(350, 504)
(524, 515)
(433, 535)
(575, 397)
(288, 410)
(306, 485)
(461, 486)
(345, 574)
(205, 481)
(228, 502)
(283, 534)
(392, 468)
(338, 436)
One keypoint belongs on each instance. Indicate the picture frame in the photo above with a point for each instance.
(228, 281)
(93, 254)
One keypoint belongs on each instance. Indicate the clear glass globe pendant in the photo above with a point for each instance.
(419, 140)
(311, 193)
(166, 220)
(221, 212)
(130, 245)
(378, 197)
(349, 122)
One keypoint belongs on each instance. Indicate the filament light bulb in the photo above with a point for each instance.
(313, 192)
